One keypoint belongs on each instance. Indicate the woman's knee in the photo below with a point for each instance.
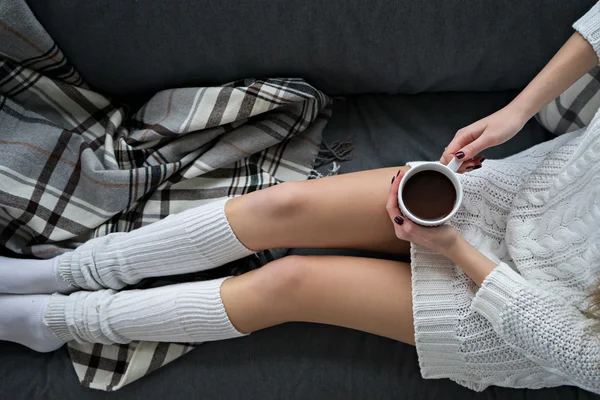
(278, 203)
(289, 199)
(283, 279)
(265, 297)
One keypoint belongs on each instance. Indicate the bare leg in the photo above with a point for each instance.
(365, 294)
(338, 212)
(346, 211)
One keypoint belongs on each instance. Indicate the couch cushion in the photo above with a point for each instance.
(341, 46)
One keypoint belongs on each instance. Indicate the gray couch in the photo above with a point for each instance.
(464, 58)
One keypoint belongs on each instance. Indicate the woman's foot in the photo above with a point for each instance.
(22, 321)
(29, 276)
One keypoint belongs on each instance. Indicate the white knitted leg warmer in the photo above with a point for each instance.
(188, 312)
(194, 240)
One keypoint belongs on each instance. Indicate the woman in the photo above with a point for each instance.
(526, 235)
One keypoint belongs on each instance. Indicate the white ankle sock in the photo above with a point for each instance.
(194, 240)
(29, 276)
(188, 312)
(22, 321)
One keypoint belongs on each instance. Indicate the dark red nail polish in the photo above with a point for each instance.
(399, 172)
(470, 167)
(399, 220)
(393, 179)
(482, 159)
(477, 167)
(460, 155)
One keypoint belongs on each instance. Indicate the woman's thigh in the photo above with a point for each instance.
(345, 211)
(369, 295)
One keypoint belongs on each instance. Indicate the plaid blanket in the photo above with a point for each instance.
(74, 164)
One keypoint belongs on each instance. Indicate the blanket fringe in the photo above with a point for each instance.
(336, 151)
(329, 154)
(335, 168)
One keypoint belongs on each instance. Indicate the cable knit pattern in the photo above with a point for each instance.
(536, 214)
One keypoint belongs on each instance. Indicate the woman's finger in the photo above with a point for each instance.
(479, 160)
(392, 202)
(470, 165)
(393, 208)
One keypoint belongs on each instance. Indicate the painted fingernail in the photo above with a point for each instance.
(482, 159)
(393, 179)
(460, 155)
(477, 167)
(399, 220)
(399, 172)
(470, 167)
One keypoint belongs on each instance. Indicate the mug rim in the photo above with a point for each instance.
(431, 166)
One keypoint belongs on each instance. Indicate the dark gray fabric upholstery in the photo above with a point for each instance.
(304, 361)
(340, 46)
(294, 361)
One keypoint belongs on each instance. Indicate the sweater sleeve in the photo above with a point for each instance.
(589, 27)
(541, 326)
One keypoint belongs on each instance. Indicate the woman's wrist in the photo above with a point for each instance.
(449, 246)
(475, 264)
(523, 109)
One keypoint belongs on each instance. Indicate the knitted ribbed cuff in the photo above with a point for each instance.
(55, 317)
(202, 313)
(589, 27)
(211, 234)
(69, 268)
(496, 293)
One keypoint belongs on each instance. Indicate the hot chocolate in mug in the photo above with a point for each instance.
(430, 193)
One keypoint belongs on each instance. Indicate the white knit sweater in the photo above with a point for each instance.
(537, 214)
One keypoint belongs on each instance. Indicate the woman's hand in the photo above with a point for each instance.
(490, 131)
(440, 239)
(571, 62)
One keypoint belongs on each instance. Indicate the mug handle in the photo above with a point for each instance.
(454, 164)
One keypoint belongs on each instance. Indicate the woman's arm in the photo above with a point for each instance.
(535, 322)
(571, 62)
(542, 326)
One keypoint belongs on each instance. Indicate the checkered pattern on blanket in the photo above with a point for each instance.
(575, 108)
(75, 165)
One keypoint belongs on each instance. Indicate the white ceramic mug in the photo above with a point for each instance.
(450, 172)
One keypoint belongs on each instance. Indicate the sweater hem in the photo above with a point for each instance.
(436, 318)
